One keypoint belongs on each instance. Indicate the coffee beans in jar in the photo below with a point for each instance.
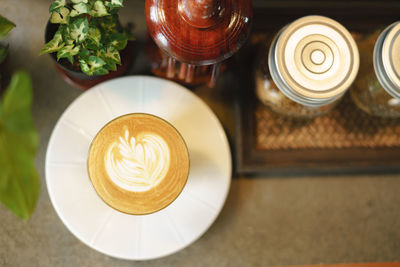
(309, 66)
(377, 87)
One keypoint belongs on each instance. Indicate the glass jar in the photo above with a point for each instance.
(377, 87)
(309, 66)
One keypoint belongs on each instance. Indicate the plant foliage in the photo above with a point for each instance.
(89, 34)
(5, 27)
(19, 179)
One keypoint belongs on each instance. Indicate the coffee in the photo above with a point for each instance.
(138, 163)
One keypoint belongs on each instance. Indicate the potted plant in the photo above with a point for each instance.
(85, 38)
(19, 179)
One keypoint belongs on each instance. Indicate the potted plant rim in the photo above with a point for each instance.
(87, 41)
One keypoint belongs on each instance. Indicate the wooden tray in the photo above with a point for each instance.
(344, 141)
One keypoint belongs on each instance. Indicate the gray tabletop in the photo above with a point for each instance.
(266, 220)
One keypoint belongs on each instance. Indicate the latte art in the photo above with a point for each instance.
(137, 163)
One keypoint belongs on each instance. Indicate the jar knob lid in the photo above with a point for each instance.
(201, 13)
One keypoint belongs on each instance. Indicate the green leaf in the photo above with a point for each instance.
(100, 71)
(3, 52)
(118, 40)
(54, 45)
(78, 30)
(61, 16)
(56, 5)
(93, 65)
(84, 54)
(93, 38)
(5, 26)
(111, 66)
(80, 8)
(115, 3)
(99, 9)
(71, 59)
(66, 34)
(95, 62)
(79, 1)
(128, 34)
(19, 179)
(108, 24)
(111, 55)
(85, 67)
(68, 51)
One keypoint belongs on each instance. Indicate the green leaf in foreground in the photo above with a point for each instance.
(3, 52)
(5, 26)
(19, 179)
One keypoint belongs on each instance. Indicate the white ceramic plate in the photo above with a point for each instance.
(147, 236)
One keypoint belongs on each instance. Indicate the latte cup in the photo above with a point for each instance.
(138, 163)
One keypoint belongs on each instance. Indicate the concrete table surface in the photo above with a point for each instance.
(266, 221)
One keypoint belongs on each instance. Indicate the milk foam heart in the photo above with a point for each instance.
(137, 163)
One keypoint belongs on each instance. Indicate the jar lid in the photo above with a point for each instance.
(200, 32)
(314, 60)
(387, 59)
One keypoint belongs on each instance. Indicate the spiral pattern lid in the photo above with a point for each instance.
(387, 59)
(314, 60)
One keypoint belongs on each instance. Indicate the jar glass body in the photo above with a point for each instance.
(270, 95)
(367, 92)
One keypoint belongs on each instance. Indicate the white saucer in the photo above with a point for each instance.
(147, 236)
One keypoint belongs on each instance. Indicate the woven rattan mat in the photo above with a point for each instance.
(344, 127)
